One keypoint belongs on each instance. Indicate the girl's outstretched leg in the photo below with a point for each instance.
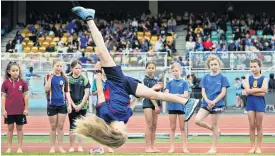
(89, 15)
(145, 92)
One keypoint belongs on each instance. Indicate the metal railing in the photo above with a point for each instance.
(233, 60)
(43, 61)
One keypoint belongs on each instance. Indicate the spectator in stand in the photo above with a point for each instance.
(237, 34)
(144, 45)
(190, 34)
(172, 24)
(207, 45)
(171, 46)
(199, 45)
(163, 29)
(231, 46)
(206, 30)
(83, 42)
(198, 29)
(10, 47)
(180, 61)
(84, 60)
(136, 44)
(18, 36)
(157, 28)
(159, 45)
(271, 83)
(18, 47)
(264, 40)
(190, 46)
(268, 30)
(50, 48)
(70, 48)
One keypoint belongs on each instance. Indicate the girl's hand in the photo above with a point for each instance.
(78, 108)
(74, 105)
(69, 109)
(51, 75)
(26, 112)
(157, 86)
(4, 113)
(211, 104)
(157, 109)
(62, 73)
(98, 66)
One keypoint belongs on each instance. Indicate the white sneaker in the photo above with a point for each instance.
(97, 150)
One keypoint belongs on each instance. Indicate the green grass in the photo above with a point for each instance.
(138, 154)
(192, 139)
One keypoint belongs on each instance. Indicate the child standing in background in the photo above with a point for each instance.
(15, 102)
(256, 88)
(56, 86)
(151, 108)
(179, 87)
(213, 91)
(79, 90)
(238, 85)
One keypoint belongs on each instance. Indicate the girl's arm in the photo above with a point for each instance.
(67, 92)
(185, 95)
(3, 100)
(204, 96)
(221, 95)
(259, 94)
(26, 100)
(100, 92)
(48, 83)
(69, 99)
(154, 102)
(85, 97)
(253, 91)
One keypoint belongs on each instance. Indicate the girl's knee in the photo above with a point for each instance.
(10, 128)
(173, 128)
(259, 127)
(19, 127)
(182, 128)
(252, 126)
(53, 127)
(60, 126)
(198, 121)
(154, 126)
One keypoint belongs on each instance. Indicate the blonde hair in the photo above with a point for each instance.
(96, 128)
(56, 60)
(212, 58)
(62, 73)
(176, 65)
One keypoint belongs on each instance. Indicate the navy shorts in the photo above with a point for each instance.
(116, 77)
(54, 110)
(109, 112)
(215, 109)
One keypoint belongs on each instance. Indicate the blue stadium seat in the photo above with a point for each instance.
(259, 32)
